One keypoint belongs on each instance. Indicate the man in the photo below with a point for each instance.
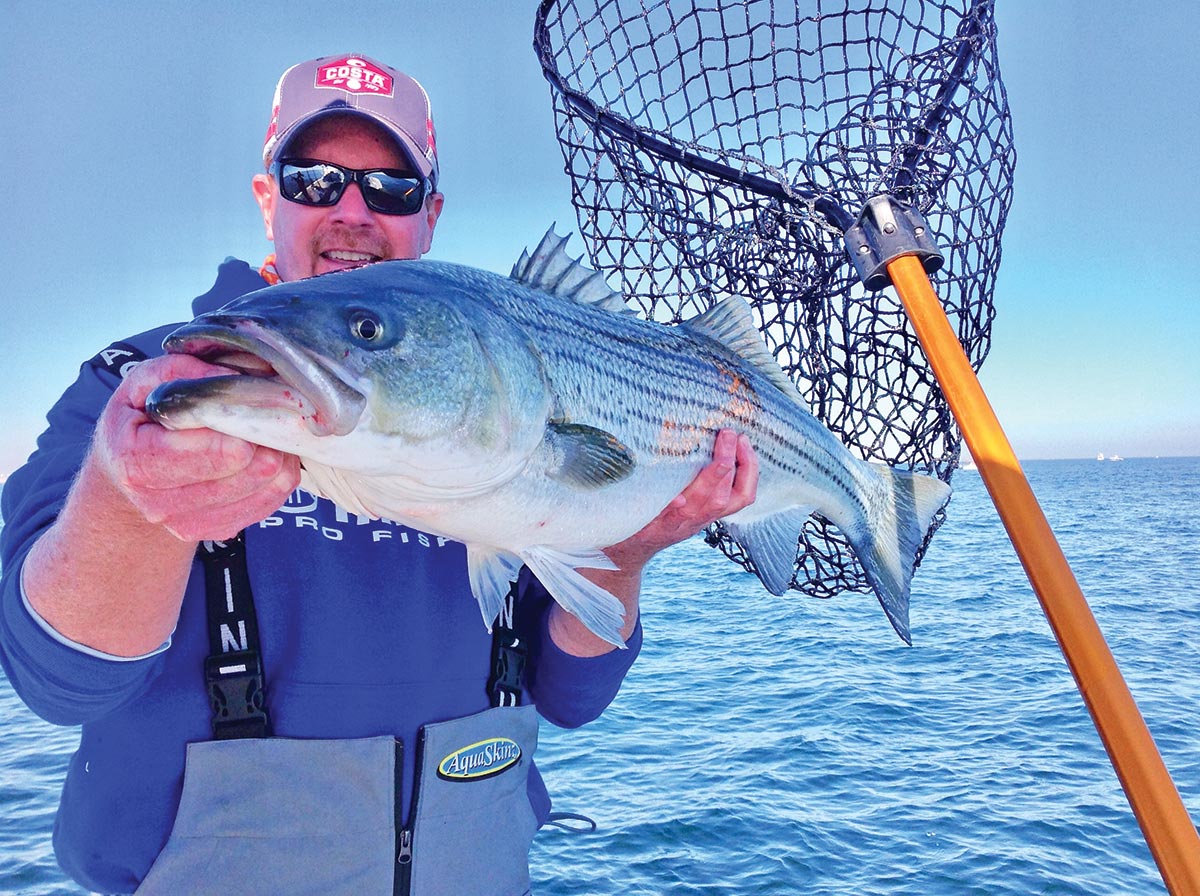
(127, 603)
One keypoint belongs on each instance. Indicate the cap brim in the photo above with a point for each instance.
(409, 146)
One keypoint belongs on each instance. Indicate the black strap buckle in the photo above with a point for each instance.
(508, 667)
(235, 691)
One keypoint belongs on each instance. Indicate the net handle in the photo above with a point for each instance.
(1164, 820)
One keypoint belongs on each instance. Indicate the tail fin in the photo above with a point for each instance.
(888, 540)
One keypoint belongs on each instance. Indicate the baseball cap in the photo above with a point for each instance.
(357, 85)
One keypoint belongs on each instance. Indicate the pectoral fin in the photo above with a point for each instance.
(586, 457)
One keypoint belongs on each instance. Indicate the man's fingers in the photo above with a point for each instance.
(745, 484)
(725, 485)
(728, 483)
(713, 483)
(196, 483)
(220, 508)
(147, 376)
(139, 453)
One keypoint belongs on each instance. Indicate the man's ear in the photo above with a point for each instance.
(433, 209)
(264, 195)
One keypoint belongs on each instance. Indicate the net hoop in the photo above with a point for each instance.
(724, 147)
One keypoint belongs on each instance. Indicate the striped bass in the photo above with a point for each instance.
(535, 419)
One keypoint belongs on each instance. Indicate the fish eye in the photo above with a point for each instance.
(366, 326)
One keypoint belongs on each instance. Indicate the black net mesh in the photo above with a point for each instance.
(721, 147)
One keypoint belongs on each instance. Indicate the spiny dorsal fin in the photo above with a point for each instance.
(731, 323)
(552, 270)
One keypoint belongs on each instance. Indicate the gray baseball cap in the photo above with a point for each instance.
(360, 86)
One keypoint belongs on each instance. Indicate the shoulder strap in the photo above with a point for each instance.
(233, 672)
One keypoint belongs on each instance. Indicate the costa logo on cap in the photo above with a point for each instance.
(273, 127)
(355, 75)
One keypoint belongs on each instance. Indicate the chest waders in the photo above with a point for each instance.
(270, 815)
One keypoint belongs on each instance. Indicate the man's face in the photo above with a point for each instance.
(312, 240)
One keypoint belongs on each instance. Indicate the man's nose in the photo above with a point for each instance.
(352, 208)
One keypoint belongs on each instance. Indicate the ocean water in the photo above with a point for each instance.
(768, 745)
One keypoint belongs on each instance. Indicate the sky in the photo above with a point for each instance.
(131, 141)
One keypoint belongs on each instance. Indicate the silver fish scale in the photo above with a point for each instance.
(666, 373)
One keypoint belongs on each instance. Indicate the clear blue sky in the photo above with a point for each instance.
(131, 139)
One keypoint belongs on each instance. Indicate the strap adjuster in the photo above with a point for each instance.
(508, 667)
(235, 692)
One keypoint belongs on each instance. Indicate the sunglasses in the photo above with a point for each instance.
(388, 191)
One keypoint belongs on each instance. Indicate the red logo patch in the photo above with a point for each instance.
(355, 75)
(430, 138)
(273, 127)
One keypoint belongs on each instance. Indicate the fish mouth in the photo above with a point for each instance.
(327, 400)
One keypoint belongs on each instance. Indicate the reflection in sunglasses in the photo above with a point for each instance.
(387, 191)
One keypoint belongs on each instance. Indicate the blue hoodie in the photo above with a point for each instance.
(367, 628)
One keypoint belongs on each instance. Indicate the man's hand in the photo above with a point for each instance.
(197, 484)
(728, 484)
(111, 572)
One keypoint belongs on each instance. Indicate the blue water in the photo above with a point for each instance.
(772, 746)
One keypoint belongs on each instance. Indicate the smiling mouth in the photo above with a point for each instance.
(329, 405)
(346, 257)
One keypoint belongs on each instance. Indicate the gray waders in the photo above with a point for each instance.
(270, 815)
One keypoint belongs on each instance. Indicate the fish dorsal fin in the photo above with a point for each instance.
(731, 323)
(552, 270)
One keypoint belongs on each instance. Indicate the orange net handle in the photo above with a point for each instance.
(1165, 823)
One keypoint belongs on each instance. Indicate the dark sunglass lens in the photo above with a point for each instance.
(312, 183)
(391, 194)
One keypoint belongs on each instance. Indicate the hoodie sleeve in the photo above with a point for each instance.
(569, 690)
(59, 681)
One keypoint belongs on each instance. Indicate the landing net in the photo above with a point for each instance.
(723, 147)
